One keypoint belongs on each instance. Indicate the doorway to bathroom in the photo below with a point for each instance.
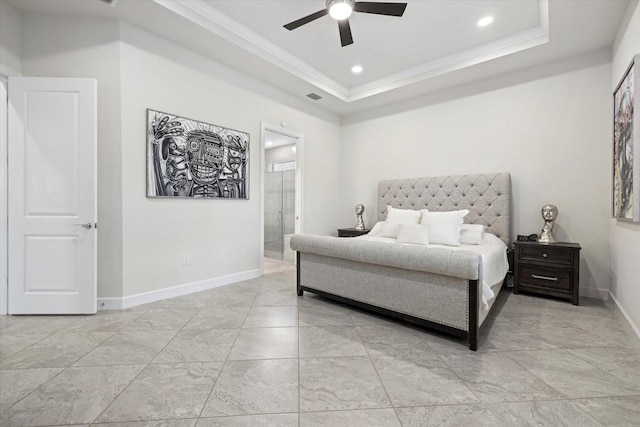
(281, 181)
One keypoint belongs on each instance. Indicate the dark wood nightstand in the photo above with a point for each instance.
(352, 232)
(547, 269)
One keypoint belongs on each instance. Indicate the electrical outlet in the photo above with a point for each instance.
(186, 259)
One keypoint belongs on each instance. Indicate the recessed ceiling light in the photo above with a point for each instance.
(485, 21)
(268, 143)
(356, 69)
(293, 148)
(340, 9)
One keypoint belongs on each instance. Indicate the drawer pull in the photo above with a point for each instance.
(544, 255)
(553, 279)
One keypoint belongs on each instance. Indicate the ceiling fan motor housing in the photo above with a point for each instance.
(340, 10)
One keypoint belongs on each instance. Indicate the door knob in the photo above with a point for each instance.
(86, 225)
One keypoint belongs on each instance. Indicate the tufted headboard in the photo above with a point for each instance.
(487, 196)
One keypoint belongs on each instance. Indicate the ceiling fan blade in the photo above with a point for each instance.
(345, 32)
(300, 22)
(390, 9)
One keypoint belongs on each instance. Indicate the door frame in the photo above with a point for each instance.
(299, 144)
(4, 201)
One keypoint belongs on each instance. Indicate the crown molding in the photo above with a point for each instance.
(211, 19)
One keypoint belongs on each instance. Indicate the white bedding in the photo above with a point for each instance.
(494, 260)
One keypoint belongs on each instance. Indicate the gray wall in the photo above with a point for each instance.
(625, 236)
(222, 236)
(280, 154)
(552, 131)
(88, 47)
(10, 40)
(142, 241)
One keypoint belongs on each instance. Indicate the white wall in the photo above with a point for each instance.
(61, 46)
(550, 133)
(221, 236)
(10, 40)
(141, 241)
(625, 236)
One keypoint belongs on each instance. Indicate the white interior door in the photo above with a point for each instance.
(52, 195)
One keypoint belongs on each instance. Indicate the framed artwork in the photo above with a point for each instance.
(626, 142)
(191, 159)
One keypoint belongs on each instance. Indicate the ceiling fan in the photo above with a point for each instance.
(340, 10)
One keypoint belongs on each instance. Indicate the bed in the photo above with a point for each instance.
(449, 289)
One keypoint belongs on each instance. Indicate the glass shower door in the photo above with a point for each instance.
(273, 216)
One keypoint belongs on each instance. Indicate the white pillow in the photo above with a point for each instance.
(472, 234)
(389, 229)
(452, 216)
(376, 228)
(403, 216)
(444, 233)
(413, 233)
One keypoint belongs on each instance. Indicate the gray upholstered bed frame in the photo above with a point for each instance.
(431, 287)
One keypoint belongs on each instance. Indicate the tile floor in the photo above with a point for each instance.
(254, 354)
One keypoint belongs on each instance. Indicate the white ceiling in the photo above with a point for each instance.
(436, 45)
(383, 45)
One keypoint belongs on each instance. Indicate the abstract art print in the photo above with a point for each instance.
(191, 159)
(626, 139)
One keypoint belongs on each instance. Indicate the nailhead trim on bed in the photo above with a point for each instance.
(487, 196)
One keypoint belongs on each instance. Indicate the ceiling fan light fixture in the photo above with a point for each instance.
(340, 9)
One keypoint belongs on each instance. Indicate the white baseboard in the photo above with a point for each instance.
(175, 291)
(595, 293)
(626, 316)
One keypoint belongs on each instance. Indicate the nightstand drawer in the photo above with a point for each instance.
(546, 254)
(543, 277)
